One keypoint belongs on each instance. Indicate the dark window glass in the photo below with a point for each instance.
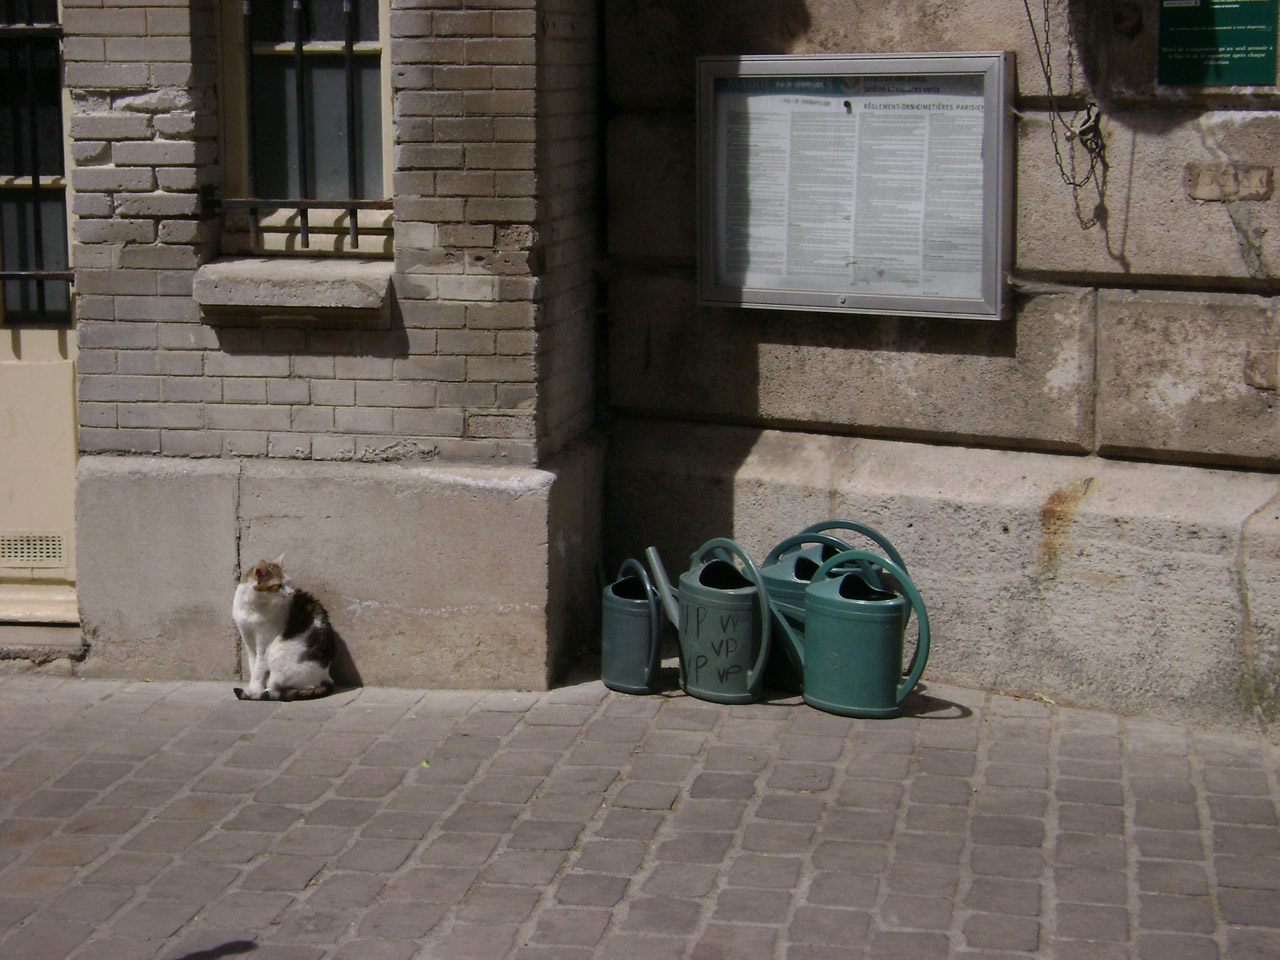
(272, 20)
(276, 162)
(18, 252)
(24, 59)
(16, 12)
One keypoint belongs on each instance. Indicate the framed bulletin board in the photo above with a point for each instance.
(856, 184)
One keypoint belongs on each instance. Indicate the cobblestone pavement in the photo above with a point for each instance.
(169, 820)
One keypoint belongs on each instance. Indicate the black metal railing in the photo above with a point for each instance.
(34, 274)
(253, 204)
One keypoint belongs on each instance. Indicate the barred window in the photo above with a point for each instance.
(305, 126)
(35, 276)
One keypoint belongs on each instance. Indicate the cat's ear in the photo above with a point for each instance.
(279, 561)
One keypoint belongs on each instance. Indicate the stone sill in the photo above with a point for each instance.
(295, 290)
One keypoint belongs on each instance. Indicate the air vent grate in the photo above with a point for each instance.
(32, 550)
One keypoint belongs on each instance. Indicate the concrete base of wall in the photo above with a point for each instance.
(434, 576)
(1142, 588)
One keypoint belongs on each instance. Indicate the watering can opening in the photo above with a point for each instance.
(805, 568)
(853, 587)
(630, 588)
(723, 575)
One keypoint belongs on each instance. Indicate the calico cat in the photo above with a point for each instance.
(287, 636)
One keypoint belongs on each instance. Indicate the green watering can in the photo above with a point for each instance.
(723, 622)
(787, 571)
(853, 638)
(630, 632)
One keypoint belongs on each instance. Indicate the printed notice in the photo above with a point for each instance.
(866, 185)
(1217, 43)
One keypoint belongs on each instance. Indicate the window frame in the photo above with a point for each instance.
(307, 227)
(33, 189)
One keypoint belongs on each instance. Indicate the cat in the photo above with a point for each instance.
(287, 636)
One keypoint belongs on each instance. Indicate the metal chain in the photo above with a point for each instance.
(1087, 132)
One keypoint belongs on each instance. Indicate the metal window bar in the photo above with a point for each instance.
(303, 203)
(29, 30)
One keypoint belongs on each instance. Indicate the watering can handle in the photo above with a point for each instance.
(802, 538)
(869, 532)
(663, 585)
(655, 618)
(917, 602)
(781, 611)
(719, 546)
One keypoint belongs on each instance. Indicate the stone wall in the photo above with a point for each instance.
(1080, 359)
(1011, 461)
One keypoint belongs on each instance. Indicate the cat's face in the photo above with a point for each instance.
(266, 575)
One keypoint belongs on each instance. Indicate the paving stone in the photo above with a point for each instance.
(1255, 908)
(1182, 914)
(917, 913)
(280, 872)
(571, 926)
(1017, 863)
(476, 941)
(526, 866)
(154, 919)
(430, 884)
(1164, 946)
(1169, 845)
(400, 920)
(1161, 815)
(721, 941)
(666, 915)
(591, 889)
(829, 925)
(708, 814)
(999, 932)
(1180, 878)
(680, 880)
(1090, 818)
(843, 890)
(1076, 921)
(807, 777)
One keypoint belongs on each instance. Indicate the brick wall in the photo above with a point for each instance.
(142, 144)
(488, 352)
(567, 171)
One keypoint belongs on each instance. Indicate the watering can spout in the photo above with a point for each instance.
(664, 586)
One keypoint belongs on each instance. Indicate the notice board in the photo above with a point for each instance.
(1217, 43)
(856, 184)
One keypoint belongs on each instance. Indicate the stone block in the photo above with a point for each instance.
(1149, 225)
(1094, 582)
(293, 287)
(651, 45)
(651, 178)
(423, 587)
(156, 567)
(1027, 381)
(1173, 376)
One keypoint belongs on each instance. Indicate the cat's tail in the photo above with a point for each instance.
(321, 690)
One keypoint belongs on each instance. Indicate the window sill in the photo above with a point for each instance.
(295, 290)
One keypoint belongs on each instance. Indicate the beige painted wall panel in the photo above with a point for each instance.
(37, 454)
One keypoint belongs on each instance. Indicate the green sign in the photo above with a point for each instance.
(1217, 42)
